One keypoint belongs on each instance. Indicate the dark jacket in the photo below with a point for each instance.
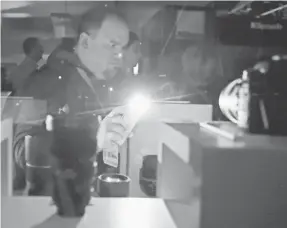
(67, 94)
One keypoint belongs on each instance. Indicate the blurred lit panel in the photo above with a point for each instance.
(63, 25)
(189, 23)
(16, 15)
(5, 5)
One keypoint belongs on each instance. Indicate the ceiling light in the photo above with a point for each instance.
(16, 15)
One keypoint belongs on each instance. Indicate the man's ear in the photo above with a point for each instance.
(84, 40)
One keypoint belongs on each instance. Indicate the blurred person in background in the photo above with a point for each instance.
(76, 86)
(55, 62)
(63, 53)
(200, 78)
(33, 51)
(64, 50)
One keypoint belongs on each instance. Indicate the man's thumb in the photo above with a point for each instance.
(100, 119)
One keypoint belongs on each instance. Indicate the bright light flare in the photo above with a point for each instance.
(111, 179)
(49, 123)
(139, 104)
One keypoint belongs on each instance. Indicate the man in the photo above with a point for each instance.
(78, 86)
(200, 77)
(33, 51)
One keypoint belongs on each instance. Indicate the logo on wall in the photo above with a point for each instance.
(261, 26)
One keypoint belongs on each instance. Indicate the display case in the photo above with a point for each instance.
(223, 182)
(6, 157)
(147, 137)
(23, 109)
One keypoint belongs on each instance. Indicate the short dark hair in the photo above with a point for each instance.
(94, 18)
(133, 39)
(29, 44)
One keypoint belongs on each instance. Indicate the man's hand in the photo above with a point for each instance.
(112, 131)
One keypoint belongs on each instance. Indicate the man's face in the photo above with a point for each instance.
(37, 51)
(39, 47)
(101, 51)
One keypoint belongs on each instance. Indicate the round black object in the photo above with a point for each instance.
(70, 194)
(267, 107)
(73, 148)
(147, 185)
(38, 163)
(149, 166)
(113, 185)
(147, 175)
